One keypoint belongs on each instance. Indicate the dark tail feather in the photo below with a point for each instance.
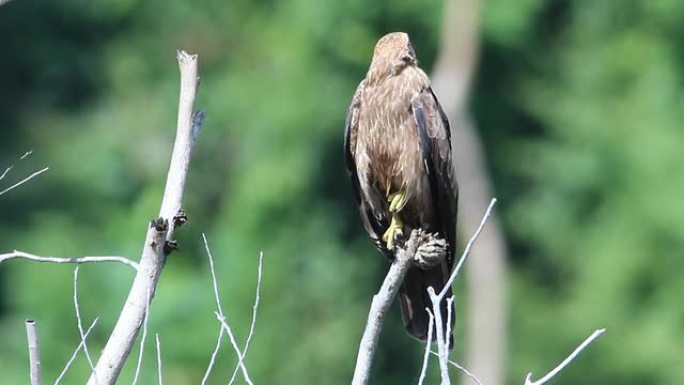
(414, 298)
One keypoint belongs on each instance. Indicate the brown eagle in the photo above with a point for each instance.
(397, 149)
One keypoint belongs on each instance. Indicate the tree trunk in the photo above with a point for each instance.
(486, 331)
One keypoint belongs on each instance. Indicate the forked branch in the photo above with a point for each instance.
(381, 303)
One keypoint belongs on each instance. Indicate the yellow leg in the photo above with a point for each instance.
(397, 202)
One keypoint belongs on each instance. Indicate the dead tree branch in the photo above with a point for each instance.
(78, 260)
(224, 324)
(436, 299)
(28, 178)
(75, 353)
(380, 306)
(233, 342)
(442, 340)
(252, 324)
(34, 355)
(7, 170)
(463, 370)
(225, 327)
(79, 322)
(159, 234)
(426, 354)
(596, 334)
(159, 359)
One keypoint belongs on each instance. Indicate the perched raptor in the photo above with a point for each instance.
(397, 151)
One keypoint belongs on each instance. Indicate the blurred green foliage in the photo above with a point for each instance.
(579, 106)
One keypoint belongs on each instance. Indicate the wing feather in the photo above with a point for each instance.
(370, 220)
(435, 142)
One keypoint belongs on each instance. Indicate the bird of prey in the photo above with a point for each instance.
(397, 150)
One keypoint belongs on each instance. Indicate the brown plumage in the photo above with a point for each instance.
(397, 141)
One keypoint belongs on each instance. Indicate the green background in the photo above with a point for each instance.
(580, 106)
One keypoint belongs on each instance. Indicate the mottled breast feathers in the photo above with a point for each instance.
(406, 139)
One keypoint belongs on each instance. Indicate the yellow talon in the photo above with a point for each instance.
(397, 202)
(394, 230)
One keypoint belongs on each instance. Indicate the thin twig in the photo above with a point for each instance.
(4, 173)
(379, 308)
(28, 178)
(122, 339)
(596, 334)
(78, 260)
(233, 342)
(7, 170)
(442, 339)
(34, 354)
(254, 314)
(220, 336)
(219, 313)
(461, 368)
(428, 341)
(450, 309)
(75, 353)
(79, 322)
(214, 354)
(142, 339)
(159, 360)
(436, 299)
(466, 252)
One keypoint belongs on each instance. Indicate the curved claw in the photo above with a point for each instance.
(394, 231)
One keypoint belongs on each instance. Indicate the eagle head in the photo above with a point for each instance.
(393, 52)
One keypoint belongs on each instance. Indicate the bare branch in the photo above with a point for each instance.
(218, 305)
(380, 306)
(78, 260)
(159, 360)
(461, 368)
(442, 339)
(34, 354)
(466, 252)
(254, 314)
(26, 154)
(80, 322)
(436, 299)
(154, 253)
(428, 341)
(8, 169)
(233, 342)
(221, 317)
(214, 354)
(241, 355)
(596, 334)
(75, 353)
(383, 299)
(28, 178)
(212, 361)
(187, 129)
(450, 309)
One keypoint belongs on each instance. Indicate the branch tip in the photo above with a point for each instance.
(184, 57)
